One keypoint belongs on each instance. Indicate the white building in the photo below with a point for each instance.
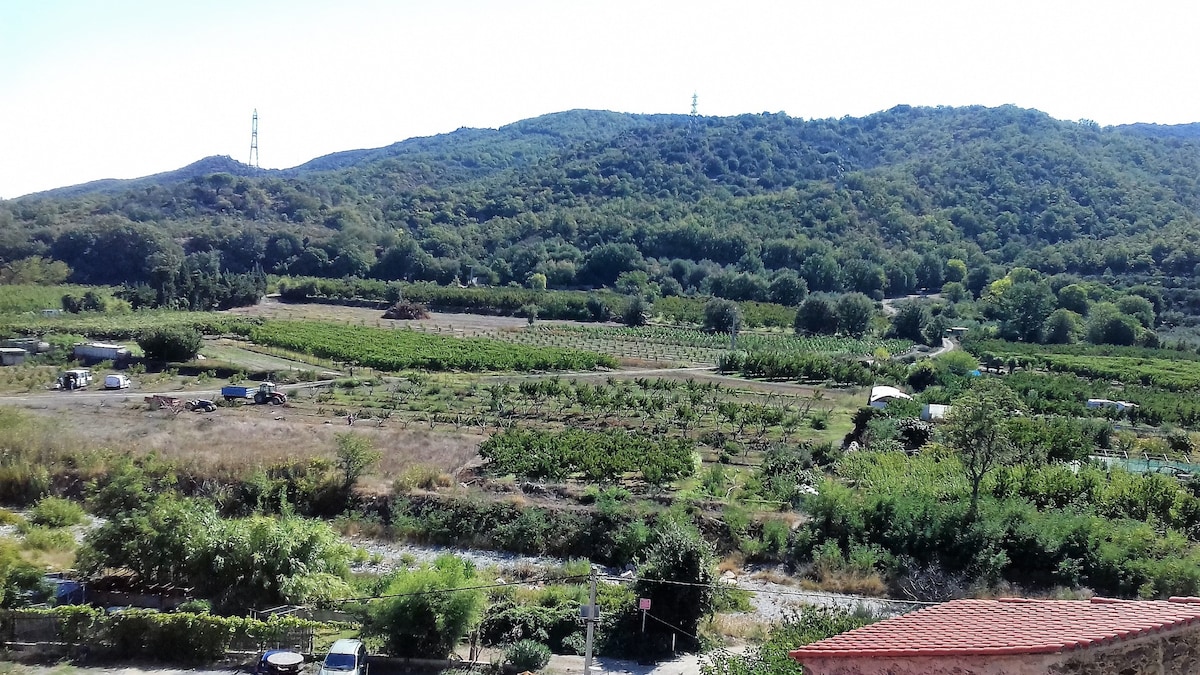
(882, 395)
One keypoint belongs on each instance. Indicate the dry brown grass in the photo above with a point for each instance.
(737, 627)
(732, 563)
(776, 576)
(228, 443)
(847, 581)
(57, 560)
(424, 477)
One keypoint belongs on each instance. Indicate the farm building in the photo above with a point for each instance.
(30, 344)
(1016, 636)
(933, 412)
(100, 351)
(12, 356)
(882, 395)
(1119, 406)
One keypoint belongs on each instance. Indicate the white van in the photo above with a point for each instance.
(346, 657)
(116, 381)
(77, 378)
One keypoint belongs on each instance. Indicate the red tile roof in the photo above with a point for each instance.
(1007, 626)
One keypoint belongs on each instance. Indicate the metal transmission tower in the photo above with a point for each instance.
(695, 100)
(254, 139)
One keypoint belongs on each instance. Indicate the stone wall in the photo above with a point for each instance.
(1174, 653)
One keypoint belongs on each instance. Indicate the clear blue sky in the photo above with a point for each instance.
(92, 89)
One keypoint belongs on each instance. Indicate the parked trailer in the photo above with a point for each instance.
(160, 401)
(263, 393)
(233, 392)
(100, 351)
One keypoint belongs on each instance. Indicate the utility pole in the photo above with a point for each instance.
(591, 623)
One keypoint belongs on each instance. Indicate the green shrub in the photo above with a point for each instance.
(422, 619)
(170, 343)
(195, 607)
(527, 655)
(10, 518)
(56, 512)
(47, 539)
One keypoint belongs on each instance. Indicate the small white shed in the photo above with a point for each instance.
(933, 412)
(882, 395)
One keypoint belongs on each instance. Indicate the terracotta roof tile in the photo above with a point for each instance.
(1007, 626)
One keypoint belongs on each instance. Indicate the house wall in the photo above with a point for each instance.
(1175, 653)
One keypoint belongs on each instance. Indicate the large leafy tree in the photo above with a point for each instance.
(788, 288)
(980, 429)
(816, 316)
(1021, 307)
(854, 311)
(909, 321)
(170, 344)
(722, 316)
(1108, 325)
(678, 576)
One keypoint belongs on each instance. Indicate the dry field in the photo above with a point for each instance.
(231, 441)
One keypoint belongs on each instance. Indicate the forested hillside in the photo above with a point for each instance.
(722, 206)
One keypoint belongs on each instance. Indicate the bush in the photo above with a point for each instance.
(47, 539)
(527, 655)
(170, 344)
(9, 518)
(421, 476)
(56, 512)
(422, 620)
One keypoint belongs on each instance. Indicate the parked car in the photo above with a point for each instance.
(76, 378)
(345, 657)
(116, 381)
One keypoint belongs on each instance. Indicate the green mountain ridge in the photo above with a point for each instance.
(700, 204)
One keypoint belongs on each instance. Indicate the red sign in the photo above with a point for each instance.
(644, 604)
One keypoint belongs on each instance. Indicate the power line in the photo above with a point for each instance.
(616, 579)
(803, 594)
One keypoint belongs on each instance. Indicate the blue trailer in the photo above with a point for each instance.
(263, 393)
(231, 392)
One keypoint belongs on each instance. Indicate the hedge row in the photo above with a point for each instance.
(178, 637)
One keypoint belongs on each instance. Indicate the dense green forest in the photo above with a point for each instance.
(755, 207)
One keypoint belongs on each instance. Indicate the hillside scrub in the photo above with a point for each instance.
(184, 542)
(878, 204)
(1037, 528)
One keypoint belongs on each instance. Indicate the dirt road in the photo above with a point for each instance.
(99, 396)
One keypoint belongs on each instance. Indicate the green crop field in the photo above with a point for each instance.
(684, 345)
(122, 326)
(394, 350)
